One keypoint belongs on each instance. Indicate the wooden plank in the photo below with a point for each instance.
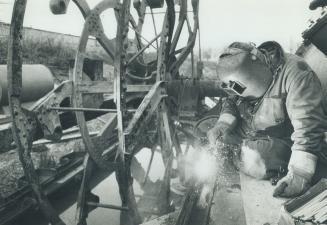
(65, 138)
(138, 88)
(259, 204)
(95, 87)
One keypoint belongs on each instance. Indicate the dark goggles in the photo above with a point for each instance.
(233, 87)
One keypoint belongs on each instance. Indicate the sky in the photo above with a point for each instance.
(221, 22)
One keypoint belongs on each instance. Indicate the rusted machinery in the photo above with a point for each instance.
(149, 102)
(37, 81)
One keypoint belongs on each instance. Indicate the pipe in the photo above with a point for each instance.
(206, 88)
(37, 82)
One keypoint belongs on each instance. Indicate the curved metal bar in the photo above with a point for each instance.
(23, 122)
(181, 19)
(191, 42)
(104, 41)
(104, 5)
(83, 7)
(141, 13)
(165, 40)
(138, 40)
(94, 152)
(107, 44)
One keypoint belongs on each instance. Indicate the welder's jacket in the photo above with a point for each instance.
(292, 109)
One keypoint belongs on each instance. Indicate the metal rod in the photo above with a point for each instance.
(143, 49)
(149, 167)
(86, 109)
(82, 109)
(100, 205)
(188, 25)
(199, 40)
(165, 12)
(140, 35)
(133, 23)
(154, 27)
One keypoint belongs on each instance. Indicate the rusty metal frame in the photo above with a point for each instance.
(120, 71)
(147, 109)
(91, 27)
(154, 106)
(191, 41)
(24, 123)
(181, 20)
(48, 119)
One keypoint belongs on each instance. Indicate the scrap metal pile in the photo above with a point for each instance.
(148, 104)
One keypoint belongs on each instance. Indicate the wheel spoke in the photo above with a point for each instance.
(120, 69)
(104, 5)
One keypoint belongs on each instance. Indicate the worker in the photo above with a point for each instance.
(275, 111)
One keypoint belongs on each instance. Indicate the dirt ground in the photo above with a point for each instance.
(44, 156)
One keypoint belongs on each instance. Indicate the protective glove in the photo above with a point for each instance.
(225, 124)
(301, 168)
(217, 133)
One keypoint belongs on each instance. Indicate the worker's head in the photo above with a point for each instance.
(244, 71)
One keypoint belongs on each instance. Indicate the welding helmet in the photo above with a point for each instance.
(244, 71)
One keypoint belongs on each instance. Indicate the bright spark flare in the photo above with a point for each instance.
(205, 166)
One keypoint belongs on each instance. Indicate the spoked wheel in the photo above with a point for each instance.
(127, 128)
(23, 122)
(100, 148)
(112, 136)
(82, 88)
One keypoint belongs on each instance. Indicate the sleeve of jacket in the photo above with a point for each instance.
(304, 107)
(229, 106)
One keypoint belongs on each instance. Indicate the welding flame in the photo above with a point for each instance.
(205, 166)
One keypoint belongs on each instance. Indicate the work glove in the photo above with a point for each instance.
(217, 133)
(301, 168)
(225, 124)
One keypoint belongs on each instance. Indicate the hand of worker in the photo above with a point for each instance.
(225, 124)
(217, 132)
(301, 168)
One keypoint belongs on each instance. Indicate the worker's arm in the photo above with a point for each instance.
(226, 123)
(304, 107)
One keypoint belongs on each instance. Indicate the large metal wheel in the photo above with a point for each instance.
(119, 125)
(127, 130)
(24, 123)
